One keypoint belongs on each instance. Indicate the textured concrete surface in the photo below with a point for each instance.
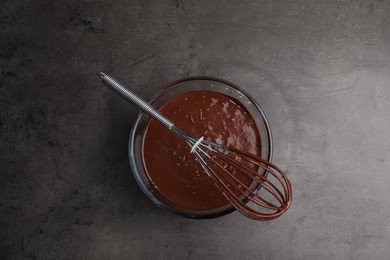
(319, 69)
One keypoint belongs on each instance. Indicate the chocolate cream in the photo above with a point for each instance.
(173, 171)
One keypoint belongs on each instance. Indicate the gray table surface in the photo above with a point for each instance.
(319, 69)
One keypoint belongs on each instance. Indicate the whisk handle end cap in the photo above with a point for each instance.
(101, 74)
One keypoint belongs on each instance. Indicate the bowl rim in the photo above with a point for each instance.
(152, 98)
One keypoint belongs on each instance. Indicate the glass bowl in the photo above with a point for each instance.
(159, 98)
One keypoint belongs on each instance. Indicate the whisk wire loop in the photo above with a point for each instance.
(212, 156)
(243, 188)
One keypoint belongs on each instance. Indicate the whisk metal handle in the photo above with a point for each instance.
(134, 99)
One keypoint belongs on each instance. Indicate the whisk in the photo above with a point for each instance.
(266, 195)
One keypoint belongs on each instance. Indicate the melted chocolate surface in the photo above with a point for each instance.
(173, 171)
